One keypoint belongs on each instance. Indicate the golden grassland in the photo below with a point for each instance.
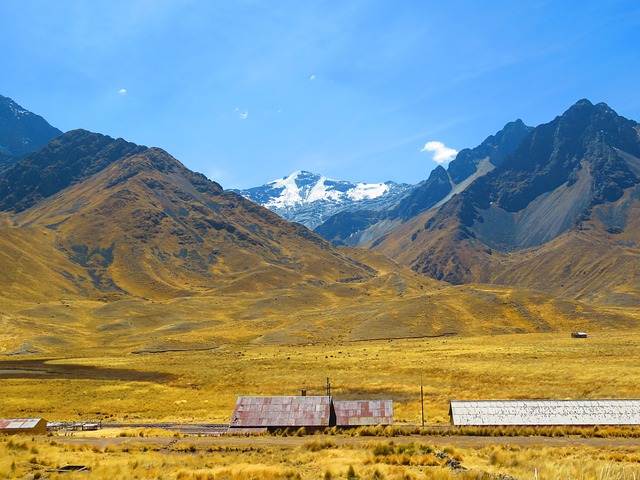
(203, 385)
(318, 456)
(210, 350)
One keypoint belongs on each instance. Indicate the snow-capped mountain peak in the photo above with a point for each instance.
(305, 187)
(309, 198)
(290, 193)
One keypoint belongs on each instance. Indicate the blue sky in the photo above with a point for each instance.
(247, 91)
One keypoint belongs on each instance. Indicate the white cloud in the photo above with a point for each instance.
(312, 77)
(242, 114)
(122, 91)
(441, 153)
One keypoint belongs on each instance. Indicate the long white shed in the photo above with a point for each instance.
(545, 412)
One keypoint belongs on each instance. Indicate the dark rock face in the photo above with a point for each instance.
(586, 158)
(69, 159)
(21, 132)
(346, 223)
(558, 214)
(553, 154)
(425, 195)
(586, 136)
(495, 148)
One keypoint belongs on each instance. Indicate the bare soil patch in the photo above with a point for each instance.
(43, 369)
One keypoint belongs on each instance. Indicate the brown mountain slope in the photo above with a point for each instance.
(147, 226)
(394, 304)
(588, 262)
(33, 269)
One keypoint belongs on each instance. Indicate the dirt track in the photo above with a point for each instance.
(101, 438)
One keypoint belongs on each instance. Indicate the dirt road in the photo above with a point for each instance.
(108, 436)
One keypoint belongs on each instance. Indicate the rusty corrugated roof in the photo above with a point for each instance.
(18, 423)
(294, 411)
(354, 413)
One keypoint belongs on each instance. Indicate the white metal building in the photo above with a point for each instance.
(36, 426)
(545, 412)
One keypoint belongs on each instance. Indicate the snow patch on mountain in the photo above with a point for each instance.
(289, 194)
(368, 190)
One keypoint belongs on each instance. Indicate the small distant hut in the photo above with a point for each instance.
(579, 335)
(32, 426)
(358, 413)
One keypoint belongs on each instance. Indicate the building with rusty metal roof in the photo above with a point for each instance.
(36, 426)
(358, 413)
(545, 412)
(310, 412)
(283, 412)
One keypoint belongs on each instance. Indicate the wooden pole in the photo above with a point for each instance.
(422, 400)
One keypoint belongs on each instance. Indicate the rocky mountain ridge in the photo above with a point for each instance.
(21, 132)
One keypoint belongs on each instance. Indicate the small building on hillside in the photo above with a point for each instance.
(544, 412)
(32, 426)
(310, 412)
(579, 335)
(359, 413)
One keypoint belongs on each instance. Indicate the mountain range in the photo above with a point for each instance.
(536, 229)
(363, 226)
(524, 190)
(355, 214)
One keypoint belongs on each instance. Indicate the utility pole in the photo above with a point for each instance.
(422, 400)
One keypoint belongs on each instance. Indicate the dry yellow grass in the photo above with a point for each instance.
(234, 342)
(308, 458)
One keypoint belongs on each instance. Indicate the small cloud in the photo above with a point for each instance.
(441, 153)
(312, 77)
(122, 91)
(242, 114)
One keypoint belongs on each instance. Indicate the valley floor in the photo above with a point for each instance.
(202, 386)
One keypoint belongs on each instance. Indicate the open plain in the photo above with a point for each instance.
(200, 385)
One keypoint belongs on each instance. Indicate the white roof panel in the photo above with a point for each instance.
(545, 412)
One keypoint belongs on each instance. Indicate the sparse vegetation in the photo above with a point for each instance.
(266, 458)
(202, 387)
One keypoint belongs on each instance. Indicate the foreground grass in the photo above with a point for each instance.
(312, 457)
